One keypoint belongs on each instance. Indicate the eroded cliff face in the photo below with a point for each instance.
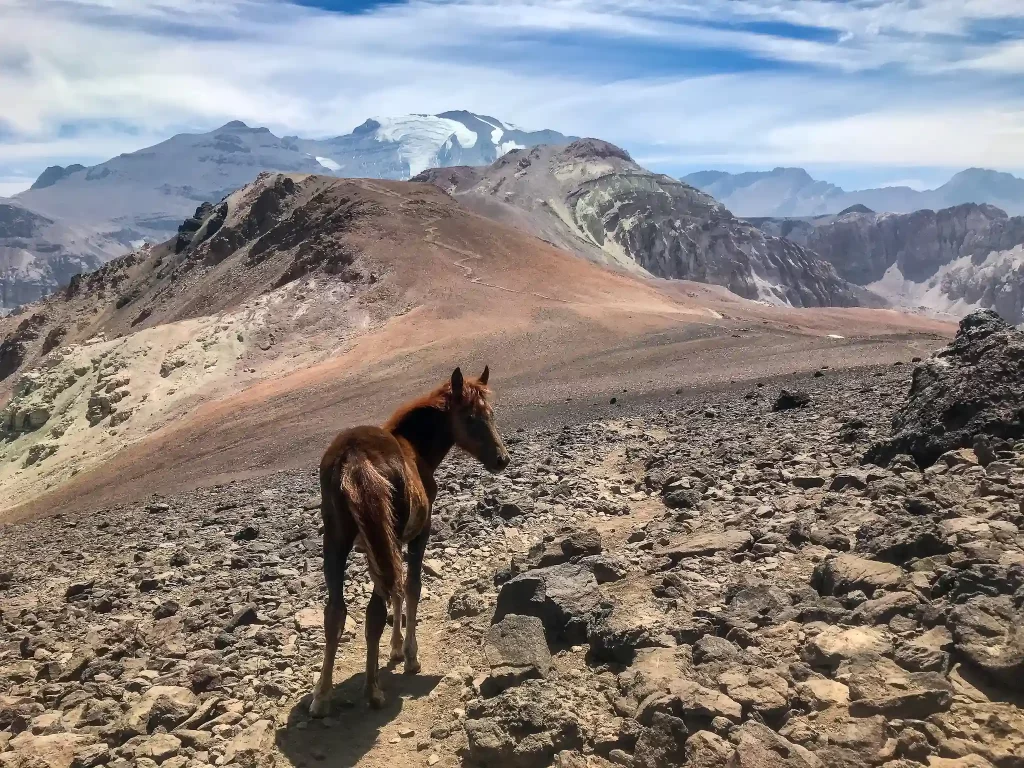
(672, 230)
(951, 261)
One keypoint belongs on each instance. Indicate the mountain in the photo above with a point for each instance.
(590, 197)
(38, 253)
(792, 192)
(949, 261)
(144, 195)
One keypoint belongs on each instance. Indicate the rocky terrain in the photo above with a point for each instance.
(947, 261)
(94, 214)
(793, 192)
(590, 197)
(706, 580)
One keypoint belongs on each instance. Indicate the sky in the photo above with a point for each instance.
(859, 92)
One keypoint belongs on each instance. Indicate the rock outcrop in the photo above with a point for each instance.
(971, 390)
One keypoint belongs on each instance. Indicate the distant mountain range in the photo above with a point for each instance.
(74, 218)
(949, 261)
(792, 192)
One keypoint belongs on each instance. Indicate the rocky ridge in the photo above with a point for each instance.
(947, 261)
(591, 198)
(708, 581)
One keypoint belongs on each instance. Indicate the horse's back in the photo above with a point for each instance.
(365, 443)
(383, 450)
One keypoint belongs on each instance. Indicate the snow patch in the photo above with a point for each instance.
(329, 164)
(421, 137)
(508, 146)
(769, 292)
(835, 336)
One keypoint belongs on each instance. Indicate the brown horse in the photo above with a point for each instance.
(377, 490)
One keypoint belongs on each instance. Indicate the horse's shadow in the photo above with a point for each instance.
(351, 728)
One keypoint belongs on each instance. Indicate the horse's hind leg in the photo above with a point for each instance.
(397, 652)
(413, 584)
(376, 619)
(336, 550)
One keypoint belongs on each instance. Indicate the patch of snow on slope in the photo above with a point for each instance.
(508, 146)
(326, 162)
(769, 292)
(420, 137)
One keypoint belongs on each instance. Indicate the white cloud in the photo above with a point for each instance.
(12, 185)
(888, 82)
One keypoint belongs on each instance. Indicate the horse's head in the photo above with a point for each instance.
(473, 421)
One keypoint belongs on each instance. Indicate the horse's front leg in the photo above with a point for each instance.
(413, 585)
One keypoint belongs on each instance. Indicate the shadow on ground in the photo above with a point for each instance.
(351, 729)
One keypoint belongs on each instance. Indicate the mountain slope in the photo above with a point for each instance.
(948, 261)
(144, 195)
(792, 192)
(590, 197)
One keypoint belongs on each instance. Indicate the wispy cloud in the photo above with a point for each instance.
(761, 82)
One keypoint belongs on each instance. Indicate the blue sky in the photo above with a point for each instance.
(859, 92)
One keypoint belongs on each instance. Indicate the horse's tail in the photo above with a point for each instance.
(369, 495)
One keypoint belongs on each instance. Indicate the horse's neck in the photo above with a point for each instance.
(429, 433)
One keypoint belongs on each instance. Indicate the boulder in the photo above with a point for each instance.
(253, 747)
(56, 750)
(839, 574)
(898, 539)
(879, 686)
(516, 650)
(523, 727)
(758, 746)
(969, 388)
(661, 744)
(161, 705)
(834, 645)
(789, 399)
(698, 544)
(564, 597)
(927, 653)
(692, 703)
(757, 690)
(882, 610)
(988, 633)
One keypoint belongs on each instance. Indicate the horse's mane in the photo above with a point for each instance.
(474, 394)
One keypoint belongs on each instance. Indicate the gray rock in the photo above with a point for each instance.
(989, 634)
(516, 650)
(564, 597)
(844, 573)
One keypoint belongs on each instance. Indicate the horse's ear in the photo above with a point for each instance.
(457, 383)
(484, 376)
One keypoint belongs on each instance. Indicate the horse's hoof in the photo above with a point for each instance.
(412, 666)
(319, 706)
(376, 698)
